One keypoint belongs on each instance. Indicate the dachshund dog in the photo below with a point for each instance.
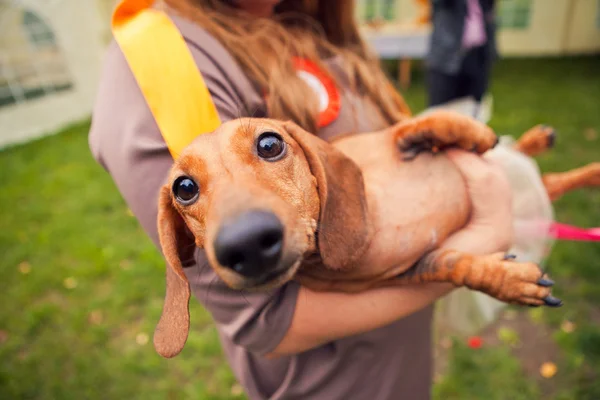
(270, 202)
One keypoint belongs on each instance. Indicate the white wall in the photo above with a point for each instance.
(555, 28)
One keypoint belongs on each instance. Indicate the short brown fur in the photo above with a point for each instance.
(361, 212)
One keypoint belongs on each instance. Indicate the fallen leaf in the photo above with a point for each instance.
(509, 315)
(548, 369)
(446, 342)
(142, 339)
(567, 326)
(536, 315)
(125, 264)
(475, 342)
(3, 336)
(96, 317)
(508, 336)
(590, 134)
(24, 268)
(70, 283)
(237, 389)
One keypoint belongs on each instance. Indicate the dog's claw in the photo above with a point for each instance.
(552, 301)
(552, 139)
(496, 142)
(545, 282)
(508, 256)
(412, 151)
(409, 155)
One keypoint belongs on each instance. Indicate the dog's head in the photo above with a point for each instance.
(257, 195)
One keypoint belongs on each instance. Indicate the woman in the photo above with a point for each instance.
(305, 61)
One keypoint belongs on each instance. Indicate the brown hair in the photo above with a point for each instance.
(312, 29)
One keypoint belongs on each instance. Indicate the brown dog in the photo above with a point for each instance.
(270, 202)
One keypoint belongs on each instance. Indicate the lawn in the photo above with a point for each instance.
(82, 286)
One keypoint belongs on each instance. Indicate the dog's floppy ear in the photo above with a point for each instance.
(343, 222)
(173, 327)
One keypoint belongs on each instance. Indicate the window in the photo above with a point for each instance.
(40, 34)
(32, 64)
(369, 10)
(514, 14)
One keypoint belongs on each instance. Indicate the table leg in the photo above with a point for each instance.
(404, 73)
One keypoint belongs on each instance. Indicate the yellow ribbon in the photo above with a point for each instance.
(165, 72)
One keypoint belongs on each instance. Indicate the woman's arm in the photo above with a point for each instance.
(321, 317)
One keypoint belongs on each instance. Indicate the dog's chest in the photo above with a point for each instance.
(413, 207)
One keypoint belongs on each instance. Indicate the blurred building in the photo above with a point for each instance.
(50, 57)
(527, 27)
(51, 50)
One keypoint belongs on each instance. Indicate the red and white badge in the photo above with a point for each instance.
(324, 87)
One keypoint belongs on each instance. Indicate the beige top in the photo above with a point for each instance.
(393, 362)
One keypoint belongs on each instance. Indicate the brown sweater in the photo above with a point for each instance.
(390, 363)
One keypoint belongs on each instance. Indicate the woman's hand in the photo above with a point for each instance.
(491, 198)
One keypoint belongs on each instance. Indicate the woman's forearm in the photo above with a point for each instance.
(321, 317)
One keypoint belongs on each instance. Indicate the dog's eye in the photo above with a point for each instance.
(186, 191)
(270, 146)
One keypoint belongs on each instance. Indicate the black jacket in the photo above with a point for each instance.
(448, 18)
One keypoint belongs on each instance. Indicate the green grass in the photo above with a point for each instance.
(82, 286)
(489, 373)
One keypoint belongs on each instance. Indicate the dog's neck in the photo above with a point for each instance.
(312, 260)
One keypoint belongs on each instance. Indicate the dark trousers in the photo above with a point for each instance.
(472, 79)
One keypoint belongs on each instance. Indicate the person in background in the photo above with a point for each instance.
(303, 61)
(462, 50)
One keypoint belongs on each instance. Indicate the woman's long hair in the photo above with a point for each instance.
(312, 29)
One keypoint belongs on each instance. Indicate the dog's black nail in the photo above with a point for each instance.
(409, 154)
(552, 139)
(496, 142)
(412, 150)
(545, 282)
(509, 256)
(552, 301)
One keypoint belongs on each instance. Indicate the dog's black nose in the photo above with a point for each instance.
(251, 245)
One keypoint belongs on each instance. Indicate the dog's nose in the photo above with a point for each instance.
(251, 245)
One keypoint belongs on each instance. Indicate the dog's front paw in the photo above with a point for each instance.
(514, 282)
(440, 130)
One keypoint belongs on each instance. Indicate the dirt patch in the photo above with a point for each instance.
(531, 342)
(594, 315)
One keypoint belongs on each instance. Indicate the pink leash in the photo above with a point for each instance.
(568, 232)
